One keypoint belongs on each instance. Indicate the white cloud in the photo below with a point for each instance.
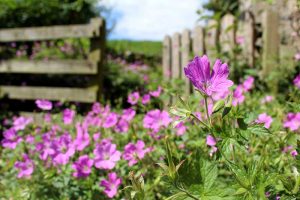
(152, 19)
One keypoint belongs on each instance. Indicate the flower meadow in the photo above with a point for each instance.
(226, 141)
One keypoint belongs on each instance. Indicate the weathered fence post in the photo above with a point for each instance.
(176, 56)
(185, 57)
(198, 41)
(270, 24)
(227, 35)
(97, 51)
(211, 39)
(167, 58)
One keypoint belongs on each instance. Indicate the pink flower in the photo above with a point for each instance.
(248, 83)
(82, 139)
(156, 93)
(198, 71)
(24, 167)
(294, 153)
(210, 140)
(180, 129)
(83, 166)
(21, 122)
(146, 99)
(133, 98)
(297, 81)
(265, 119)
(111, 120)
(64, 149)
(134, 152)
(11, 139)
(267, 99)
(240, 40)
(111, 185)
(122, 126)
(292, 121)
(43, 104)
(155, 119)
(238, 96)
(128, 114)
(106, 155)
(297, 56)
(68, 116)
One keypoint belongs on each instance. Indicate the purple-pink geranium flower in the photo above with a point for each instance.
(111, 120)
(11, 139)
(122, 126)
(198, 71)
(133, 98)
(25, 167)
(297, 56)
(82, 139)
(211, 141)
(146, 99)
(43, 104)
(64, 149)
(128, 114)
(111, 184)
(68, 116)
(134, 152)
(83, 166)
(106, 155)
(265, 119)
(180, 129)
(297, 81)
(292, 121)
(155, 119)
(156, 93)
(238, 96)
(21, 122)
(267, 99)
(248, 83)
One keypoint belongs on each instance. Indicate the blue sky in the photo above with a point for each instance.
(151, 19)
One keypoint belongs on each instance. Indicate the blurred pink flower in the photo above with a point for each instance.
(294, 153)
(156, 93)
(265, 119)
(205, 80)
(11, 139)
(82, 167)
(134, 152)
(68, 116)
(64, 149)
(111, 185)
(297, 56)
(240, 40)
(122, 126)
(25, 167)
(210, 140)
(146, 99)
(180, 129)
(267, 99)
(133, 98)
(155, 119)
(106, 155)
(111, 120)
(128, 114)
(21, 122)
(238, 96)
(297, 81)
(43, 104)
(82, 139)
(248, 83)
(292, 121)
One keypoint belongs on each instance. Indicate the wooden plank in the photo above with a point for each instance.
(227, 35)
(50, 32)
(176, 56)
(97, 53)
(167, 58)
(185, 58)
(198, 41)
(270, 24)
(48, 67)
(211, 40)
(50, 93)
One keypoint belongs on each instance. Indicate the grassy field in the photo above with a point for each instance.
(149, 48)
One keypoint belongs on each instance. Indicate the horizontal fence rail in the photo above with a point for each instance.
(95, 31)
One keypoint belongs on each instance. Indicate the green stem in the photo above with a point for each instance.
(186, 192)
(206, 110)
(201, 122)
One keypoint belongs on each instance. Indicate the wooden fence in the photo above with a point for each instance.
(259, 37)
(95, 30)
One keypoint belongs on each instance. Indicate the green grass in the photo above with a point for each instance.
(147, 48)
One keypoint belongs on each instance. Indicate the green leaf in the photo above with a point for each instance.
(226, 111)
(242, 124)
(209, 173)
(218, 106)
(259, 130)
